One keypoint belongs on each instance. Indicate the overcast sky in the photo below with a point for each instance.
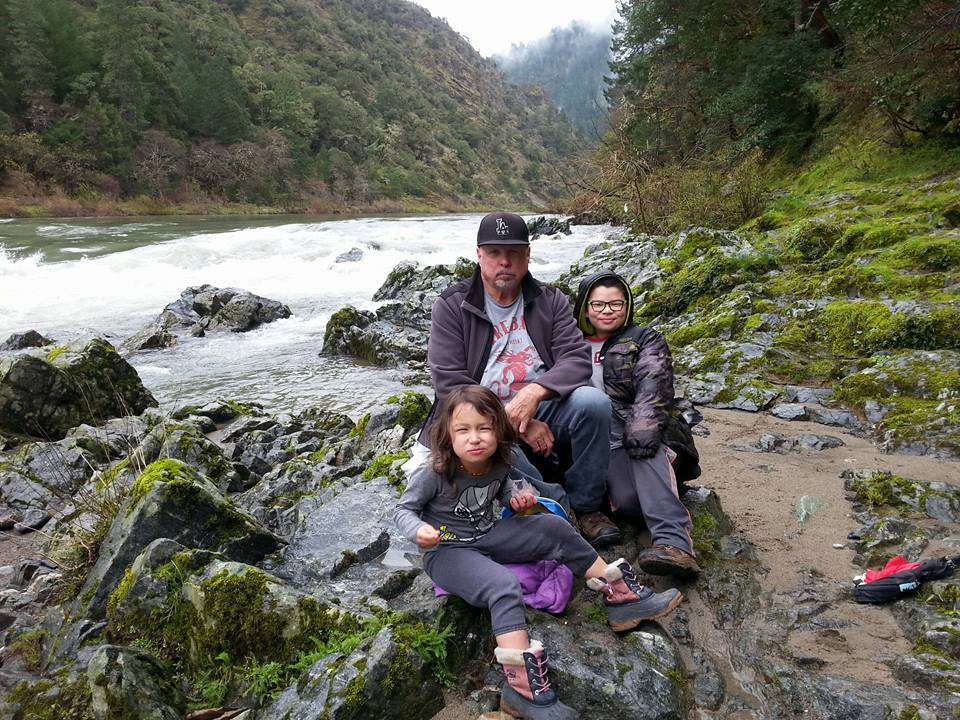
(492, 26)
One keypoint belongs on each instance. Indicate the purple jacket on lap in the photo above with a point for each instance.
(546, 584)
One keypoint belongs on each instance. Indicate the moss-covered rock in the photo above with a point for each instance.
(46, 395)
(414, 408)
(127, 683)
(171, 500)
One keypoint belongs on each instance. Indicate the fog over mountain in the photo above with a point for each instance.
(570, 64)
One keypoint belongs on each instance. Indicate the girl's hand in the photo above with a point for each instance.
(523, 501)
(427, 536)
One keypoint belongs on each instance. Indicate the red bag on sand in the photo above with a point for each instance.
(894, 565)
(899, 577)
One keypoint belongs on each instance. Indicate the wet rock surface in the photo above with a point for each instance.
(45, 394)
(205, 308)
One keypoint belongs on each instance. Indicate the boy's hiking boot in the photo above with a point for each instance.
(598, 530)
(628, 602)
(527, 692)
(667, 560)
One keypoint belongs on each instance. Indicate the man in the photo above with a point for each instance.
(508, 332)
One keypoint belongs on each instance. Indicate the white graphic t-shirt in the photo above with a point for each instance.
(514, 361)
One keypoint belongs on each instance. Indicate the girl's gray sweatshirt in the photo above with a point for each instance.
(462, 510)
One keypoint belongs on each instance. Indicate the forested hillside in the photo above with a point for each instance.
(341, 103)
(715, 100)
(570, 64)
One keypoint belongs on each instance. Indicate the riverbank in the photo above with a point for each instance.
(65, 206)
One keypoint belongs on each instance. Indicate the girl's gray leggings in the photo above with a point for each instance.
(474, 571)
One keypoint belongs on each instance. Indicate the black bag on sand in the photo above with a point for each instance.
(678, 437)
(899, 578)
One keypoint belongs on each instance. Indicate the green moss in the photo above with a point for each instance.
(166, 470)
(414, 408)
(56, 352)
(710, 328)
(65, 698)
(869, 327)
(120, 593)
(910, 712)
(703, 279)
(382, 466)
(883, 488)
(353, 693)
(596, 612)
(361, 427)
(811, 240)
(703, 532)
(29, 646)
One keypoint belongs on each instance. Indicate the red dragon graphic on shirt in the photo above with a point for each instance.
(514, 375)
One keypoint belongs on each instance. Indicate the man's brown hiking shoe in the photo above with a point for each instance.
(667, 560)
(598, 530)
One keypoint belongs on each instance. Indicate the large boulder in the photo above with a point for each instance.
(382, 678)
(130, 682)
(21, 341)
(42, 476)
(46, 394)
(171, 500)
(206, 308)
(396, 334)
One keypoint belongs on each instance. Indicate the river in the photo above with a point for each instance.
(75, 279)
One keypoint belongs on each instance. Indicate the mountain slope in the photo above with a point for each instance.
(355, 101)
(570, 64)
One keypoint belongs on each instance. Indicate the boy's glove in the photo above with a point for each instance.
(642, 445)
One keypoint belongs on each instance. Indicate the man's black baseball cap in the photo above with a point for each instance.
(503, 228)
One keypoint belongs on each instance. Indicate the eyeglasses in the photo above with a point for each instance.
(599, 305)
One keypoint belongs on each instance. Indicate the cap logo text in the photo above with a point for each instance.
(502, 228)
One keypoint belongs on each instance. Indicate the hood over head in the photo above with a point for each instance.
(583, 292)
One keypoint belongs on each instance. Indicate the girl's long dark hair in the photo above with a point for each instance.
(442, 457)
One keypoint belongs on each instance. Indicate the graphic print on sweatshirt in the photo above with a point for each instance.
(475, 506)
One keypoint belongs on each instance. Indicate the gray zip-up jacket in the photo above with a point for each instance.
(461, 336)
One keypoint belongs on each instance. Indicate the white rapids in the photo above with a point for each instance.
(80, 278)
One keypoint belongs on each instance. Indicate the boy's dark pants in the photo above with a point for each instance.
(474, 571)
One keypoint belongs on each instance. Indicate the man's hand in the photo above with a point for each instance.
(524, 404)
(427, 536)
(523, 501)
(538, 437)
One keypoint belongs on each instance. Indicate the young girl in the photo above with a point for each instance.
(632, 364)
(447, 509)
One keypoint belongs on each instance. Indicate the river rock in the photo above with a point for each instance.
(46, 395)
(363, 684)
(21, 341)
(171, 500)
(837, 418)
(333, 535)
(396, 334)
(775, 442)
(638, 675)
(352, 255)
(204, 308)
(43, 475)
(542, 225)
(130, 682)
(409, 281)
(789, 411)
